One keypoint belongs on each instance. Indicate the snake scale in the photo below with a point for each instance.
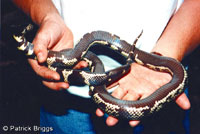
(97, 79)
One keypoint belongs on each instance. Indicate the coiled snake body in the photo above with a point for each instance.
(97, 79)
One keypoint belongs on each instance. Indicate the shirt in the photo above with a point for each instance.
(125, 18)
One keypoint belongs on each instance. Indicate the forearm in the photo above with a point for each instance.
(182, 34)
(38, 10)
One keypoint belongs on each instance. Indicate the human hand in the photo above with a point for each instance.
(55, 35)
(138, 84)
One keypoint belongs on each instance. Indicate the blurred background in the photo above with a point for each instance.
(21, 91)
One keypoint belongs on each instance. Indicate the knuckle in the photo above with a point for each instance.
(38, 71)
(47, 75)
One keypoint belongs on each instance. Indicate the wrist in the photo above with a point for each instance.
(169, 50)
(52, 17)
(42, 10)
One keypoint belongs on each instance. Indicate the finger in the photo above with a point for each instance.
(183, 101)
(99, 112)
(113, 85)
(119, 93)
(43, 71)
(111, 121)
(131, 95)
(81, 64)
(133, 123)
(56, 85)
(41, 43)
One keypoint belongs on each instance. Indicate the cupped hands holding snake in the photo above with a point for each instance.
(179, 38)
(138, 84)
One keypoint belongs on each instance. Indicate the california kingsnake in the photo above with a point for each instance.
(97, 78)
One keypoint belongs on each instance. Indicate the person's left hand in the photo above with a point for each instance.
(138, 84)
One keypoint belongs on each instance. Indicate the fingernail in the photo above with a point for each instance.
(56, 77)
(134, 123)
(65, 86)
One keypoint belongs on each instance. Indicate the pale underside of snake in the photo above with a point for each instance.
(97, 79)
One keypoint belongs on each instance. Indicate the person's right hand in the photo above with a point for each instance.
(55, 35)
(138, 84)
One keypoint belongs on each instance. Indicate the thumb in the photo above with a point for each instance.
(41, 42)
(183, 102)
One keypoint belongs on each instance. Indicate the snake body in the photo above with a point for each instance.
(97, 79)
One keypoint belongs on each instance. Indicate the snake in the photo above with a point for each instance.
(97, 78)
